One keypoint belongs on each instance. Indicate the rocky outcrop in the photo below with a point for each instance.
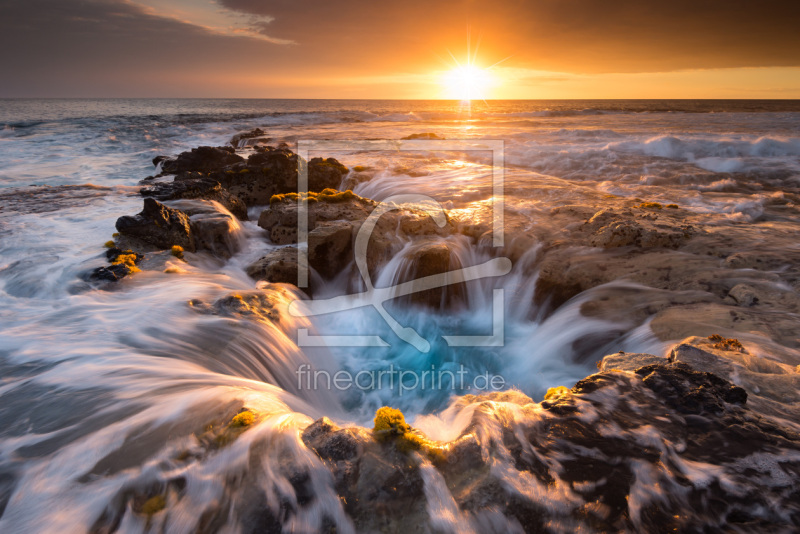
(193, 185)
(200, 159)
(123, 263)
(241, 139)
(158, 225)
(588, 457)
(332, 214)
(622, 228)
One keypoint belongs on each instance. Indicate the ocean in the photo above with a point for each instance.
(100, 389)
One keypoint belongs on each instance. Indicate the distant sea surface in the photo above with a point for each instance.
(111, 141)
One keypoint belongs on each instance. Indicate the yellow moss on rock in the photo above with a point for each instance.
(556, 392)
(326, 195)
(153, 505)
(177, 251)
(128, 260)
(673, 206)
(390, 424)
(109, 244)
(242, 419)
(650, 205)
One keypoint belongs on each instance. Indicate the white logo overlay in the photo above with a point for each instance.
(377, 297)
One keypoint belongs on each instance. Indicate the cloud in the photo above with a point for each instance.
(253, 7)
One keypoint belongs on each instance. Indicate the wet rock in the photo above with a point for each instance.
(158, 225)
(325, 173)
(612, 229)
(386, 239)
(196, 186)
(355, 179)
(689, 391)
(585, 459)
(428, 259)
(123, 263)
(628, 361)
(773, 387)
(111, 273)
(330, 247)
(236, 140)
(331, 442)
(277, 266)
(200, 159)
(213, 228)
(258, 305)
(744, 295)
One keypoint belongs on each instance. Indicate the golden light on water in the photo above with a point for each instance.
(467, 82)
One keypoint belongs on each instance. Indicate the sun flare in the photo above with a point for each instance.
(467, 82)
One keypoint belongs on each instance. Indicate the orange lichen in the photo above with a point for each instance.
(650, 205)
(729, 344)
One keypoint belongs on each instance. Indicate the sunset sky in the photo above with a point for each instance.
(367, 49)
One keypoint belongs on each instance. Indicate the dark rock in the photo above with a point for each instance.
(330, 247)
(197, 186)
(689, 391)
(111, 273)
(200, 159)
(428, 259)
(255, 132)
(158, 225)
(325, 174)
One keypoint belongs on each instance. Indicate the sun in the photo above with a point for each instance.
(467, 82)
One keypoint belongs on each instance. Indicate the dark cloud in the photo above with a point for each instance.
(253, 7)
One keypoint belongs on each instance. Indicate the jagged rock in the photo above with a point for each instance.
(158, 225)
(277, 266)
(213, 228)
(690, 391)
(196, 186)
(325, 173)
(273, 171)
(243, 136)
(280, 220)
(586, 459)
(200, 159)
